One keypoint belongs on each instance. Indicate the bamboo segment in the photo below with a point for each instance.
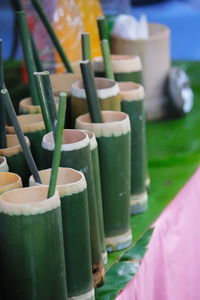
(15, 157)
(96, 171)
(72, 189)
(9, 181)
(32, 249)
(125, 67)
(132, 95)
(26, 106)
(107, 92)
(76, 154)
(33, 127)
(3, 164)
(114, 143)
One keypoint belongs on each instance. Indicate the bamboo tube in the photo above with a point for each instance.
(90, 90)
(85, 42)
(32, 241)
(52, 34)
(76, 154)
(9, 181)
(26, 106)
(15, 157)
(2, 109)
(33, 127)
(3, 164)
(107, 92)
(132, 95)
(12, 115)
(125, 67)
(113, 138)
(72, 189)
(28, 54)
(97, 181)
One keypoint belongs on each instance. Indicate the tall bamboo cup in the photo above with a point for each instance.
(107, 92)
(132, 95)
(97, 181)
(9, 181)
(32, 249)
(114, 144)
(26, 106)
(33, 127)
(15, 157)
(3, 164)
(76, 154)
(72, 189)
(125, 67)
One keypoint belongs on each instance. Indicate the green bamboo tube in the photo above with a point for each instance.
(15, 157)
(72, 189)
(3, 164)
(132, 95)
(125, 67)
(32, 249)
(97, 181)
(107, 92)
(85, 42)
(9, 181)
(76, 154)
(26, 106)
(114, 144)
(33, 127)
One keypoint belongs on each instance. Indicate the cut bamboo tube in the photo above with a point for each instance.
(9, 181)
(3, 164)
(72, 189)
(32, 241)
(26, 106)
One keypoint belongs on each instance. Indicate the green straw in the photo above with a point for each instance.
(2, 109)
(27, 153)
(103, 28)
(90, 90)
(49, 98)
(52, 34)
(58, 144)
(86, 51)
(28, 54)
(106, 59)
(36, 56)
(42, 99)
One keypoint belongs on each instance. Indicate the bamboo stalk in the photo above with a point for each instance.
(28, 54)
(86, 50)
(90, 90)
(27, 153)
(52, 34)
(58, 144)
(102, 26)
(106, 59)
(50, 98)
(2, 109)
(42, 99)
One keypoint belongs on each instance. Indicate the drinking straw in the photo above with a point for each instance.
(103, 29)
(42, 99)
(36, 56)
(28, 54)
(49, 98)
(85, 42)
(2, 109)
(106, 59)
(27, 153)
(52, 34)
(58, 144)
(90, 90)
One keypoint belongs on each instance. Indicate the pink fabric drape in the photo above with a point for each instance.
(170, 269)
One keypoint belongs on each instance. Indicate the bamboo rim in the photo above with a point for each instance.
(87, 296)
(3, 164)
(62, 82)
(115, 124)
(28, 123)
(93, 141)
(72, 140)
(105, 88)
(69, 181)
(139, 199)
(131, 91)
(13, 146)
(120, 63)
(9, 181)
(28, 201)
(119, 242)
(26, 106)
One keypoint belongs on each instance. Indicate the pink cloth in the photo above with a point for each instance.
(170, 269)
